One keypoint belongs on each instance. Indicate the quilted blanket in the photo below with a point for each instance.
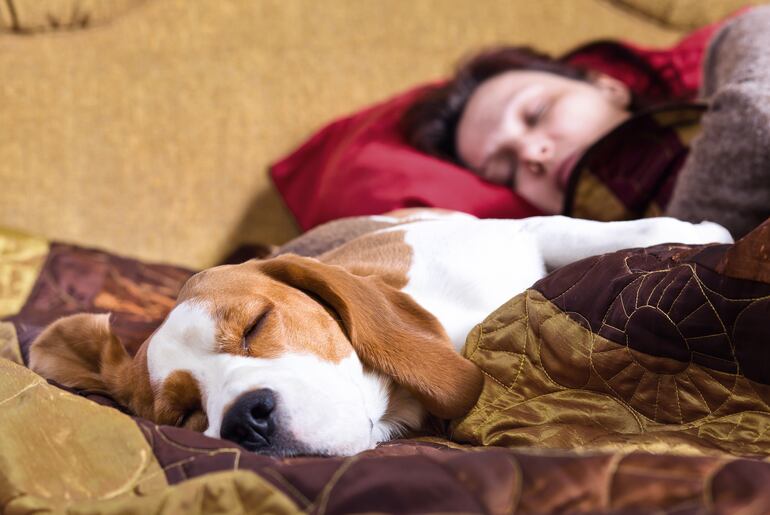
(631, 382)
(651, 348)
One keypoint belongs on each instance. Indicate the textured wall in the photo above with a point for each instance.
(148, 132)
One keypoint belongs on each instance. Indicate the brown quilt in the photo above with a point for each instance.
(632, 382)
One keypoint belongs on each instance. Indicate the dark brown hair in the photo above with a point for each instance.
(430, 123)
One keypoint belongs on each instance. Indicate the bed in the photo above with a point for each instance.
(631, 382)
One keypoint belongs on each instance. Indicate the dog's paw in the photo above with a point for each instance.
(713, 233)
(671, 230)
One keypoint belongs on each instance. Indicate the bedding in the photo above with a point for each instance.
(633, 381)
(661, 348)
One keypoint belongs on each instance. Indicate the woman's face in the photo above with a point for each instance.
(526, 130)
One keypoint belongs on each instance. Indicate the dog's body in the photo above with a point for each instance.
(332, 355)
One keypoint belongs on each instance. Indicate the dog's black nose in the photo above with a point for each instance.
(249, 422)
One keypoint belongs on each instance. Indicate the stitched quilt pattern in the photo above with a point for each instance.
(641, 349)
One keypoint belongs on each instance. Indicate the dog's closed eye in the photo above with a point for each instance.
(253, 329)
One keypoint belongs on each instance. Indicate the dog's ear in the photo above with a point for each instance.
(80, 351)
(390, 333)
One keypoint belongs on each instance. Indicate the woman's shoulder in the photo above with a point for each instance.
(738, 54)
(727, 175)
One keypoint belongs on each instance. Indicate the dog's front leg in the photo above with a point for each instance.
(563, 240)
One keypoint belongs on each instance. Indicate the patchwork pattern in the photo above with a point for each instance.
(434, 476)
(666, 355)
(9, 344)
(630, 173)
(423, 476)
(657, 350)
(21, 258)
(77, 280)
(56, 446)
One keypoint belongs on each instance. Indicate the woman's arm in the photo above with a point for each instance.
(726, 178)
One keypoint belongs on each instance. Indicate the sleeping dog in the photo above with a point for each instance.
(298, 355)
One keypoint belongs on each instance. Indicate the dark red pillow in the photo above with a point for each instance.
(360, 165)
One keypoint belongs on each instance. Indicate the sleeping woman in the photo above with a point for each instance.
(570, 138)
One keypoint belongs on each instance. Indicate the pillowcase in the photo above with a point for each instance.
(360, 165)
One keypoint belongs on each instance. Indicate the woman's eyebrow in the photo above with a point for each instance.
(526, 93)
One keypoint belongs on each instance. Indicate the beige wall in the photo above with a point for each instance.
(149, 134)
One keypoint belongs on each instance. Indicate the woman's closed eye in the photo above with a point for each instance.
(536, 113)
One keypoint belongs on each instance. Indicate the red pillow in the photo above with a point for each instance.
(360, 165)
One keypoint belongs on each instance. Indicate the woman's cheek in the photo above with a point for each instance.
(580, 120)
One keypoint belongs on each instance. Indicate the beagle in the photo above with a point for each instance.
(331, 355)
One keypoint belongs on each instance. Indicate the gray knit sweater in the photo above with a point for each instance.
(726, 177)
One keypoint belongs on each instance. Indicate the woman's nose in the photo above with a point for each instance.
(536, 150)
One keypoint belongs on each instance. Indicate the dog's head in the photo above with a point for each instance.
(286, 356)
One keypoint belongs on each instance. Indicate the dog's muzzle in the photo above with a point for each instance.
(250, 422)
